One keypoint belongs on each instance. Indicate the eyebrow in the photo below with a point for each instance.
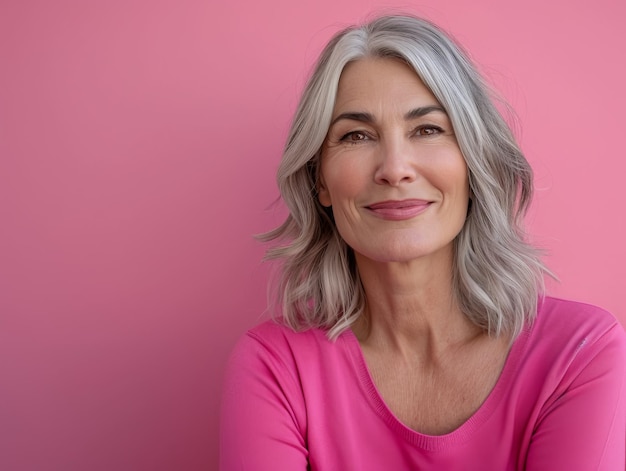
(369, 118)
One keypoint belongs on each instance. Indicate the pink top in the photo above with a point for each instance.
(297, 401)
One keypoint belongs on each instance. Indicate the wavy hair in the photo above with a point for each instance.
(498, 276)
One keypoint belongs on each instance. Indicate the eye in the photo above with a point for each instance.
(354, 136)
(428, 130)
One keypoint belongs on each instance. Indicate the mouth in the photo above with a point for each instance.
(398, 210)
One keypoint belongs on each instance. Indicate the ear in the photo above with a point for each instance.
(323, 195)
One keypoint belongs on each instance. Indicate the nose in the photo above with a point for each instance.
(396, 164)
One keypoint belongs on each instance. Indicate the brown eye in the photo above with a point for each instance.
(429, 130)
(354, 136)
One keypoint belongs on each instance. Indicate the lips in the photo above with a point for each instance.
(399, 209)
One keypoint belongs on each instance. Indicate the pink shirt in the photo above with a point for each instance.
(297, 401)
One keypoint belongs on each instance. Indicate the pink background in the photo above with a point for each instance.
(138, 145)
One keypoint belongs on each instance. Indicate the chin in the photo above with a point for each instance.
(406, 251)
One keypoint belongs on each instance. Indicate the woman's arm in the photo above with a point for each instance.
(584, 427)
(262, 418)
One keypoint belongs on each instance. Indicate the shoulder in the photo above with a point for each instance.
(273, 330)
(562, 318)
(273, 336)
(570, 335)
(276, 347)
(273, 361)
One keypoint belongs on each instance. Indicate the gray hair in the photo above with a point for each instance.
(498, 276)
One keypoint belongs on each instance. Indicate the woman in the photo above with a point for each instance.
(414, 332)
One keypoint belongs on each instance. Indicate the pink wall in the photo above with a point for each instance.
(138, 144)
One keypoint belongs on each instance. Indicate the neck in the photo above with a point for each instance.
(412, 305)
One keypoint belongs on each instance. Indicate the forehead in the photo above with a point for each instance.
(378, 81)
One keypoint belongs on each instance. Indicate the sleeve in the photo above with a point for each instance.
(262, 423)
(584, 427)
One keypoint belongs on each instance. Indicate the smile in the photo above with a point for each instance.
(399, 210)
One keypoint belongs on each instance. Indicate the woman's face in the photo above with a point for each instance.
(391, 168)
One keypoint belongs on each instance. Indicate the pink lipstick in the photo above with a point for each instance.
(399, 210)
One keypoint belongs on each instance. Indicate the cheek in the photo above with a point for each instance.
(340, 182)
(324, 186)
(462, 196)
(344, 193)
(464, 182)
(456, 175)
(452, 180)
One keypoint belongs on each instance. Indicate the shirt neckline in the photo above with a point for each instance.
(465, 430)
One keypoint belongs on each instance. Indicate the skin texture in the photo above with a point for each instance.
(392, 158)
(397, 182)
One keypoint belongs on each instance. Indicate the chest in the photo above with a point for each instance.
(436, 399)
